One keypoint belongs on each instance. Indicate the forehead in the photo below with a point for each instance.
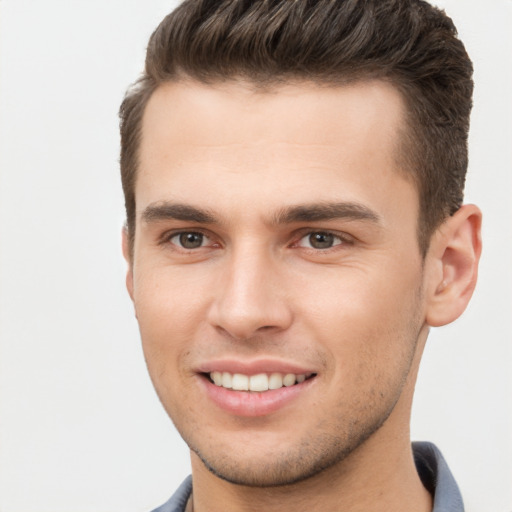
(305, 112)
(269, 146)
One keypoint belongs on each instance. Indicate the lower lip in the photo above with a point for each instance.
(253, 403)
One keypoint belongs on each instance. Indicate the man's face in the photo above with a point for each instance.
(277, 239)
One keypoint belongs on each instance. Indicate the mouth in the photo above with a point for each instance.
(259, 383)
(259, 387)
(255, 391)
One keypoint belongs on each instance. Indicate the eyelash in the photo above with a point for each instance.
(338, 239)
(166, 238)
(341, 238)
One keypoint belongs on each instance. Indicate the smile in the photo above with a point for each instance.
(260, 382)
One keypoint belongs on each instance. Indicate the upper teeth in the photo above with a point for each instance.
(259, 382)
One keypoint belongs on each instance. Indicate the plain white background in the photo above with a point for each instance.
(80, 426)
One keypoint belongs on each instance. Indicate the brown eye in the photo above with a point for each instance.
(320, 240)
(189, 240)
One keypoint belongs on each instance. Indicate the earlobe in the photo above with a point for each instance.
(453, 259)
(128, 257)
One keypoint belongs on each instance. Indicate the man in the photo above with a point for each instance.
(293, 175)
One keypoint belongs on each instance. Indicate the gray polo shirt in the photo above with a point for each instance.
(431, 466)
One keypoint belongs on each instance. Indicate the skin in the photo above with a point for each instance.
(356, 313)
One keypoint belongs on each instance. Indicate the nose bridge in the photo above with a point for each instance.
(249, 298)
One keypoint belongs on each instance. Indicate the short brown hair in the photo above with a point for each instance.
(407, 42)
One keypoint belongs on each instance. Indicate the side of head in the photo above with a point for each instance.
(406, 42)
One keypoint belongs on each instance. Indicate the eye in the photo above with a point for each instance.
(320, 240)
(189, 240)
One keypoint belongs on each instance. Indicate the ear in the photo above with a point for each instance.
(453, 265)
(127, 253)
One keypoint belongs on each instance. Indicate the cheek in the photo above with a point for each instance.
(170, 311)
(368, 322)
(168, 298)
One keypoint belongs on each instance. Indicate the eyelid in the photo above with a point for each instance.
(344, 238)
(167, 236)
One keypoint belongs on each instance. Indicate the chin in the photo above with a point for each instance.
(288, 465)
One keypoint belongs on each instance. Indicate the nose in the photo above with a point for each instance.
(251, 297)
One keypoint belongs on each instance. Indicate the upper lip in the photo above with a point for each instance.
(254, 367)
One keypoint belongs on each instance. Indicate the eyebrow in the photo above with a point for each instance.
(300, 213)
(325, 211)
(176, 211)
